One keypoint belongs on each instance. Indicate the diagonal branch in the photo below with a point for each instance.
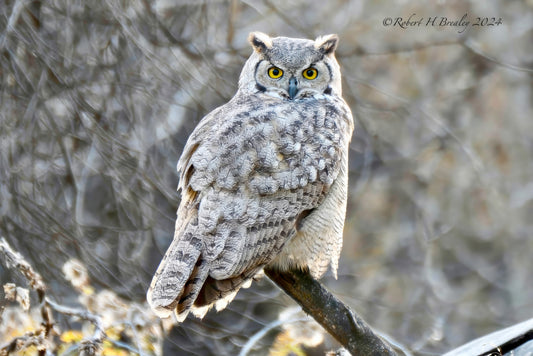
(343, 324)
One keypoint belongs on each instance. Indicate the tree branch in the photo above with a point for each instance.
(14, 259)
(343, 324)
(89, 346)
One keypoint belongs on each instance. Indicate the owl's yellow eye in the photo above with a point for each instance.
(310, 73)
(275, 72)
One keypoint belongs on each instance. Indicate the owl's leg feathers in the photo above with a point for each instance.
(215, 292)
(222, 292)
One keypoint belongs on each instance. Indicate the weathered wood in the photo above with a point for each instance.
(498, 342)
(349, 329)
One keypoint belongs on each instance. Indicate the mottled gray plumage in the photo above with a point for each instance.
(263, 179)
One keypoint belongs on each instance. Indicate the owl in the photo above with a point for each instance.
(263, 179)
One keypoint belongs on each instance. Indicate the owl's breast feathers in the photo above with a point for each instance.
(249, 173)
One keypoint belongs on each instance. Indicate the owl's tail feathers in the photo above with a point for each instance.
(179, 278)
(190, 291)
(182, 283)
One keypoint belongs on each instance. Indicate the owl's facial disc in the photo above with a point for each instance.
(276, 60)
(292, 82)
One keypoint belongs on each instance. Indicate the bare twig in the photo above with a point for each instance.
(342, 323)
(468, 44)
(14, 260)
(39, 338)
(35, 338)
(245, 351)
(91, 345)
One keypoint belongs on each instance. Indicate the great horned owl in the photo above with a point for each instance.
(263, 179)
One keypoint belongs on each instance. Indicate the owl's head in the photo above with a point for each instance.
(292, 68)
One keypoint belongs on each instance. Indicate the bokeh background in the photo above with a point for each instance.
(98, 98)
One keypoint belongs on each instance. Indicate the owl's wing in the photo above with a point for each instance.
(250, 173)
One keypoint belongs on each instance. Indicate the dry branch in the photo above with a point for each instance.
(88, 347)
(343, 324)
(14, 260)
(91, 345)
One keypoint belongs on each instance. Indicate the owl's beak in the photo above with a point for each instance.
(293, 87)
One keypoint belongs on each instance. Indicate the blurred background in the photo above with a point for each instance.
(98, 98)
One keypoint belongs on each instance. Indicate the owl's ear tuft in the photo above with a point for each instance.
(260, 41)
(327, 44)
